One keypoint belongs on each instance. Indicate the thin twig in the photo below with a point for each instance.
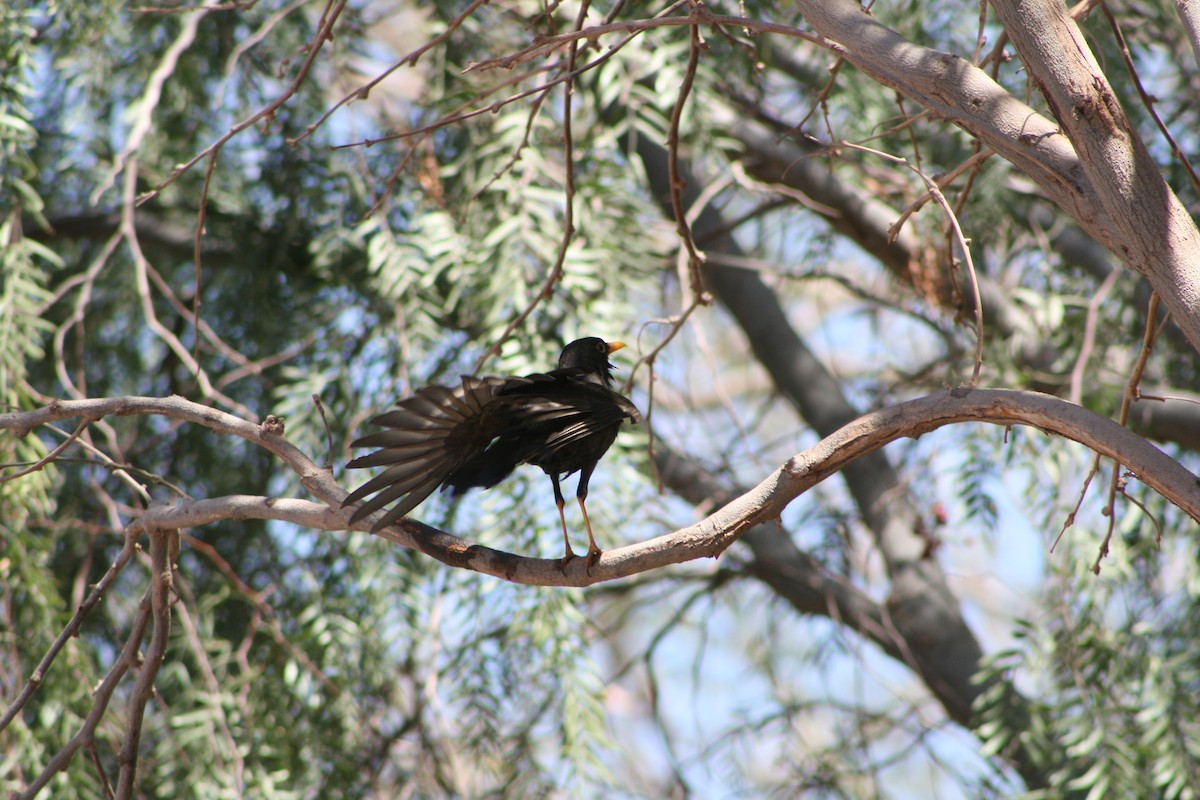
(1147, 100)
(246, 42)
(78, 319)
(456, 117)
(121, 471)
(1162, 398)
(775, 270)
(783, 195)
(556, 269)
(1089, 335)
(105, 784)
(1070, 520)
(203, 329)
(141, 275)
(980, 32)
(162, 544)
(676, 324)
(411, 60)
(1116, 484)
(1158, 531)
(71, 629)
(258, 366)
(534, 111)
(698, 15)
(201, 212)
(151, 97)
(964, 243)
(973, 172)
(821, 100)
(316, 398)
(86, 735)
(52, 455)
(1131, 392)
(329, 18)
(695, 257)
(943, 181)
(911, 130)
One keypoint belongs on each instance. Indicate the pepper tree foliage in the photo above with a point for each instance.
(313, 254)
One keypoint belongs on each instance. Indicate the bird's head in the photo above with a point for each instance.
(590, 355)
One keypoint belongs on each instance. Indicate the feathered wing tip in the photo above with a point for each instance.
(428, 436)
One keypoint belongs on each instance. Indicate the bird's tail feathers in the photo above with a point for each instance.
(427, 439)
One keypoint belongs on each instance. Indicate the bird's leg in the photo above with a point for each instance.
(562, 517)
(594, 550)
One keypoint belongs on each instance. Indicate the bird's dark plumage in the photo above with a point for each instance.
(478, 432)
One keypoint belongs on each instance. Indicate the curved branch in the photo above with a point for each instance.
(1154, 232)
(1094, 166)
(954, 89)
(707, 538)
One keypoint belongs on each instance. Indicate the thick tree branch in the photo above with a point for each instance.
(866, 220)
(1189, 15)
(954, 89)
(1099, 172)
(707, 538)
(751, 514)
(1154, 233)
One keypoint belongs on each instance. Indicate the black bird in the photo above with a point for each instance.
(477, 433)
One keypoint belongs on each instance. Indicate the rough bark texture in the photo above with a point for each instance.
(1154, 234)
(1090, 162)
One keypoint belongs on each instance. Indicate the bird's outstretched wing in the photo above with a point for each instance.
(571, 421)
(428, 436)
